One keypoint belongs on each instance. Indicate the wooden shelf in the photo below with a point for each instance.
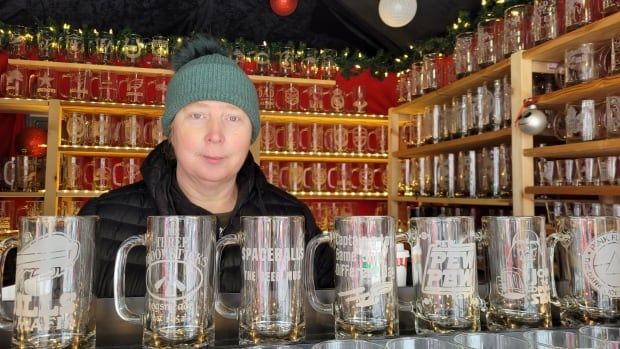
(15, 194)
(80, 193)
(257, 79)
(24, 105)
(112, 108)
(605, 147)
(455, 145)
(454, 89)
(603, 190)
(596, 89)
(305, 195)
(66, 66)
(553, 50)
(86, 150)
(456, 201)
(323, 157)
(348, 119)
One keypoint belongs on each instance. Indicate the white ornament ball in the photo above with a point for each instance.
(397, 13)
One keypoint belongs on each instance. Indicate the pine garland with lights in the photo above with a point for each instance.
(350, 63)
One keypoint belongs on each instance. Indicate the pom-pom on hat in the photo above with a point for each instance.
(203, 72)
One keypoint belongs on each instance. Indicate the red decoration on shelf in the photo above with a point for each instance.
(31, 141)
(283, 7)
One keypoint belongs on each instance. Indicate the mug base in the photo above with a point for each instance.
(366, 329)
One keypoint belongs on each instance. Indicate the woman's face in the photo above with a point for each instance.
(211, 141)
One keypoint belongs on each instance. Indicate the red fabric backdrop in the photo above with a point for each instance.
(10, 124)
(381, 94)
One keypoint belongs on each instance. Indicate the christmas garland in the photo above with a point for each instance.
(350, 62)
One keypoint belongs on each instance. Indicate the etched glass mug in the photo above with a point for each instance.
(545, 20)
(179, 282)
(54, 300)
(593, 248)
(43, 84)
(585, 62)
(519, 295)
(445, 279)
(272, 256)
(75, 129)
(366, 303)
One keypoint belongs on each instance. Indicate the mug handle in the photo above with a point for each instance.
(120, 301)
(481, 238)
(5, 172)
(402, 304)
(116, 182)
(32, 88)
(313, 299)
(225, 310)
(374, 133)
(330, 184)
(563, 238)
(6, 320)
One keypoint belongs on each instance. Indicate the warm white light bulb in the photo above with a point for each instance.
(397, 13)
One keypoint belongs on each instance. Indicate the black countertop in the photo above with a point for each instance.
(113, 332)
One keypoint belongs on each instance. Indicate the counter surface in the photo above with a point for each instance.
(113, 332)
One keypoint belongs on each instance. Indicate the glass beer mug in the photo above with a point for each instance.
(445, 279)
(54, 300)
(519, 294)
(366, 303)
(593, 289)
(272, 300)
(179, 281)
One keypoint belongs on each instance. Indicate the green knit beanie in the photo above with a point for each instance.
(204, 73)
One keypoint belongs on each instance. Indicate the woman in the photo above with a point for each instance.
(205, 167)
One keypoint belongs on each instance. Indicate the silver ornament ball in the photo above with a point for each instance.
(533, 121)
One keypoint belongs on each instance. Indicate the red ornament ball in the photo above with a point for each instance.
(31, 141)
(283, 7)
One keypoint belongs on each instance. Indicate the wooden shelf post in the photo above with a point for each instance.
(522, 166)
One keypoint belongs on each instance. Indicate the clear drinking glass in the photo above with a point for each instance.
(7, 215)
(585, 62)
(610, 7)
(587, 171)
(54, 300)
(489, 341)
(612, 116)
(611, 335)
(43, 84)
(465, 59)
(519, 294)
(565, 172)
(132, 49)
(346, 344)
(489, 43)
(160, 48)
(517, 29)
(272, 299)
(581, 12)
(420, 343)
(446, 288)
(366, 303)
(47, 43)
(72, 173)
(561, 339)
(607, 169)
(593, 286)
(430, 74)
(547, 20)
(14, 82)
(105, 50)
(179, 278)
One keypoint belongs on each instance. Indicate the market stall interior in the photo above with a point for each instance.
(464, 151)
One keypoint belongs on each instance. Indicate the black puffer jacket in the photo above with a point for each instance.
(123, 213)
